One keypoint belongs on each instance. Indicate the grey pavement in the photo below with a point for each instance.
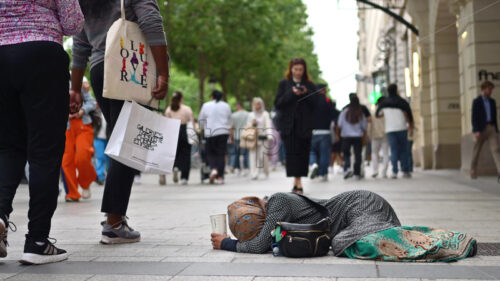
(175, 227)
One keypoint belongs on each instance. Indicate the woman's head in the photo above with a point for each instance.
(246, 217)
(297, 68)
(216, 95)
(258, 105)
(354, 112)
(177, 99)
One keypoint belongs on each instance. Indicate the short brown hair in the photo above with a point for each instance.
(487, 84)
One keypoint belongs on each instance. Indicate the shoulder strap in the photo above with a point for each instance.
(324, 211)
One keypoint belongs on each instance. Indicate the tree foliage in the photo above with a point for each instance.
(245, 45)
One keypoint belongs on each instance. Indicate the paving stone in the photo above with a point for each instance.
(50, 277)
(4, 276)
(128, 259)
(294, 279)
(280, 270)
(434, 272)
(130, 278)
(213, 278)
(375, 279)
(197, 259)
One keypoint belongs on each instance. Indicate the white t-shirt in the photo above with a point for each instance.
(395, 120)
(215, 118)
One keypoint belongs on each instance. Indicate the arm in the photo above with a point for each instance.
(151, 24)
(285, 97)
(70, 16)
(80, 57)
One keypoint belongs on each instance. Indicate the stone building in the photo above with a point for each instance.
(439, 71)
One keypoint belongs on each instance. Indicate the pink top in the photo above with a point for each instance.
(40, 20)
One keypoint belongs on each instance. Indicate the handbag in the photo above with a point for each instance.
(248, 138)
(144, 140)
(129, 66)
(297, 240)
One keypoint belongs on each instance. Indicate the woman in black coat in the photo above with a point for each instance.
(295, 104)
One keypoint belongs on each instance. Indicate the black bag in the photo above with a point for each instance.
(304, 240)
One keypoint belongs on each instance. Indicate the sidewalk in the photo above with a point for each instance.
(175, 228)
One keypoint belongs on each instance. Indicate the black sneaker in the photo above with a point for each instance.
(42, 254)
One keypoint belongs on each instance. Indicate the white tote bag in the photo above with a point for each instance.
(144, 140)
(129, 67)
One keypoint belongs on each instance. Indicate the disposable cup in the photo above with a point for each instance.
(219, 224)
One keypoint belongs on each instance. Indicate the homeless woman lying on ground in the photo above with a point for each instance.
(364, 226)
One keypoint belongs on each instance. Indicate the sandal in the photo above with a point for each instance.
(298, 190)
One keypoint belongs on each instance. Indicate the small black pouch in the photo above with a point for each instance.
(304, 240)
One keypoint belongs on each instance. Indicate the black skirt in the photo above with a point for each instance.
(297, 150)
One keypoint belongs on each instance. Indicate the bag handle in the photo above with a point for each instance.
(123, 9)
(324, 211)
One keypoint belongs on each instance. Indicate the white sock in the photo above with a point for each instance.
(40, 243)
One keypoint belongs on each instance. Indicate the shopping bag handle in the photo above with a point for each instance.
(123, 9)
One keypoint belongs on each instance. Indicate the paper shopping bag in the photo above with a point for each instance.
(144, 140)
(129, 67)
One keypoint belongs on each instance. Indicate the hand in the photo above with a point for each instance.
(75, 101)
(254, 123)
(161, 87)
(299, 92)
(410, 132)
(217, 240)
(477, 135)
(77, 115)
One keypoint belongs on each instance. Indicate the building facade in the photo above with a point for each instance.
(439, 71)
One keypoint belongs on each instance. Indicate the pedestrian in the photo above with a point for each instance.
(99, 16)
(259, 155)
(34, 113)
(351, 128)
(324, 114)
(336, 145)
(238, 122)
(100, 142)
(398, 126)
(364, 226)
(485, 127)
(275, 143)
(215, 119)
(79, 149)
(180, 111)
(295, 104)
(376, 131)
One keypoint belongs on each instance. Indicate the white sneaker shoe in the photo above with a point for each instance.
(137, 179)
(213, 176)
(394, 176)
(86, 193)
(184, 182)
(324, 178)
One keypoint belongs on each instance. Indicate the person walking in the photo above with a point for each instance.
(398, 126)
(238, 122)
(295, 104)
(485, 127)
(376, 131)
(177, 110)
(351, 128)
(79, 150)
(34, 113)
(215, 119)
(259, 156)
(324, 114)
(100, 142)
(99, 16)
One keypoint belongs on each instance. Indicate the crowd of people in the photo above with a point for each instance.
(60, 129)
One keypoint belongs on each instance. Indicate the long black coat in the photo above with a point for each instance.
(479, 114)
(295, 113)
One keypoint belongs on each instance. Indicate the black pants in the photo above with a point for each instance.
(357, 144)
(297, 151)
(120, 177)
(34, 108)
(183, 154)
(216, 153)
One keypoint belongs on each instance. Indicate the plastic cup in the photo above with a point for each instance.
(219, 224)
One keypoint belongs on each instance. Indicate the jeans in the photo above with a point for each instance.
(235, 151)
(34, 108)
(320, 152)
(398, 141)
(357, 144)
(101, 159)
